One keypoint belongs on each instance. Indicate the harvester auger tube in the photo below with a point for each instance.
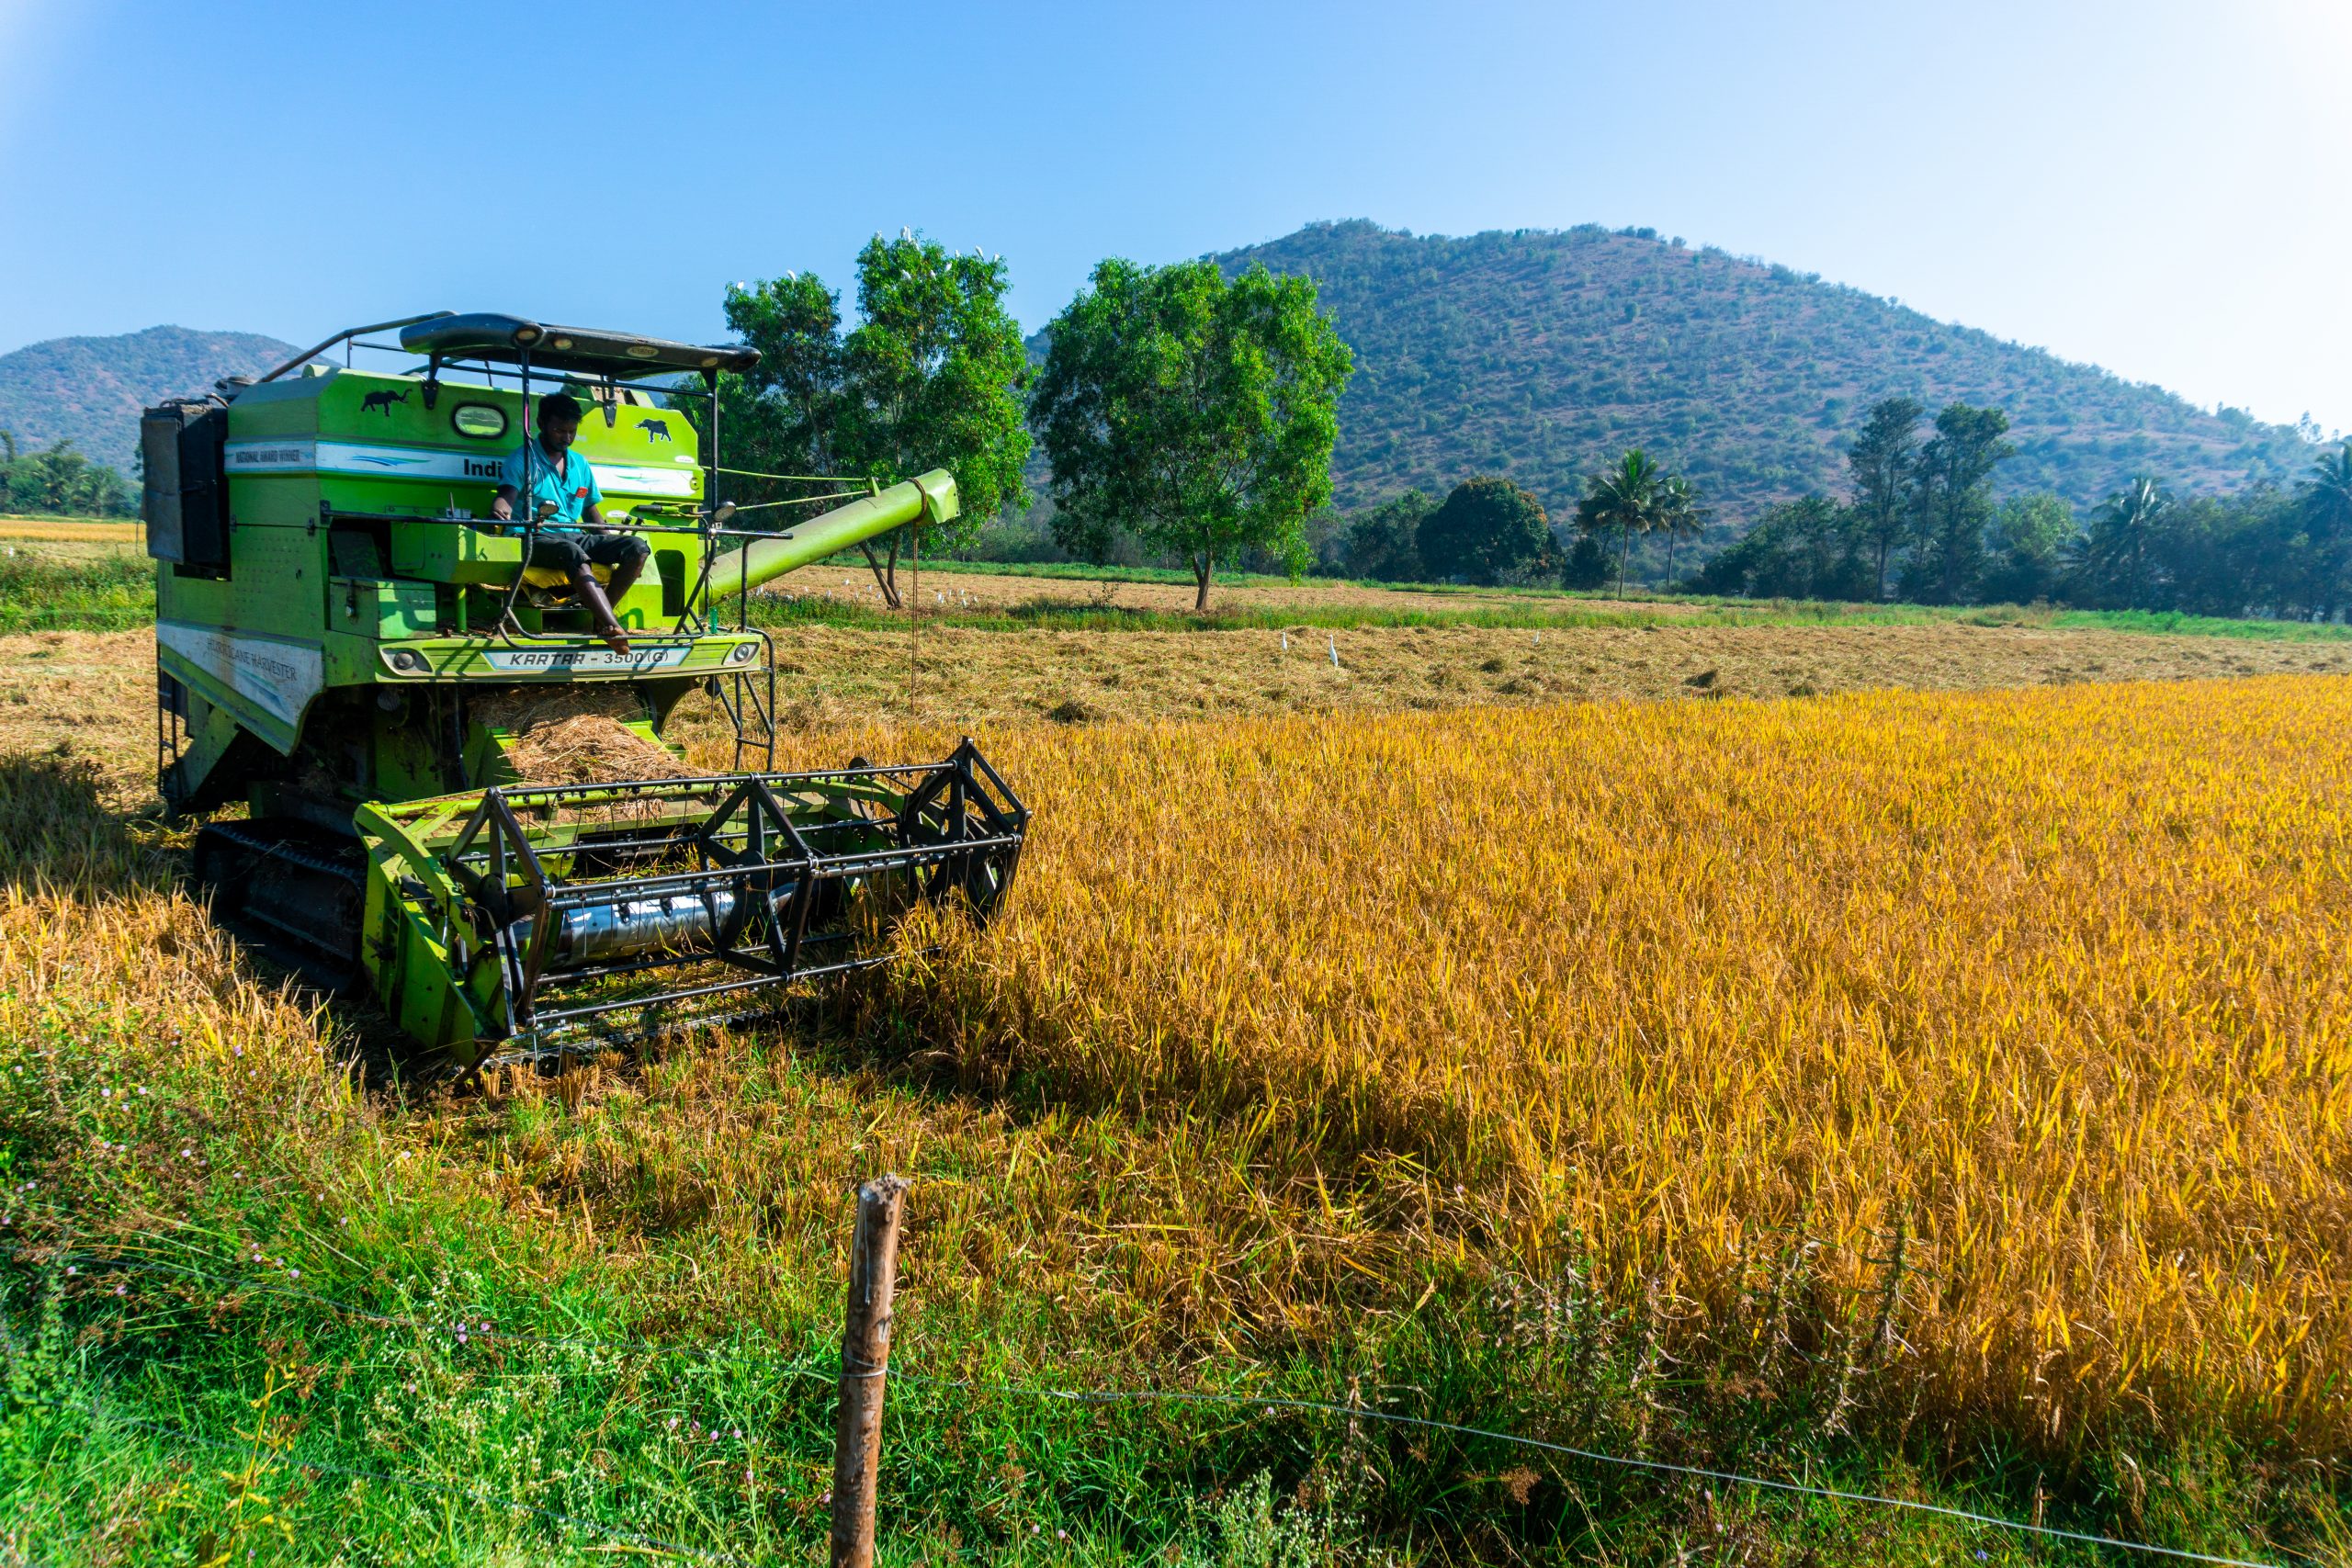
(931, 498)
(349, 644)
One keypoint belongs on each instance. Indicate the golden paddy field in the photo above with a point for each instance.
(1989, 1052)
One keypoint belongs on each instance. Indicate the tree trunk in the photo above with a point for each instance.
(1669, 563)
(1624, 552)
(1201, 565)
(886, 572)
(1881, 572)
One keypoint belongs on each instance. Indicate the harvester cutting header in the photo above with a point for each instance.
(372, 589)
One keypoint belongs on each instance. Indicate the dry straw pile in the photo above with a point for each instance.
(2010, 1035)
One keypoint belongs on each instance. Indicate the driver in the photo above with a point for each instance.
(563, 496)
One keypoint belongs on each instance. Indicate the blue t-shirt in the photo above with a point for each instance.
(536, 478)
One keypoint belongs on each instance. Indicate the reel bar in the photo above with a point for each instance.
(665, 897)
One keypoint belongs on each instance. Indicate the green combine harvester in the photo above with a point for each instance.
(349, 646)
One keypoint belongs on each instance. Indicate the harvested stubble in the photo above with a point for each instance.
(576, 735)
(2052, 984)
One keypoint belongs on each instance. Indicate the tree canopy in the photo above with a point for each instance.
(1382, 544)
(932, 377)
(1879, 465)
(1196, 413)
(1953, 497)
(1627, 498)
(59, 479)
(1488, 530)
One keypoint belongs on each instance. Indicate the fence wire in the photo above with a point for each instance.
(1267, 1405)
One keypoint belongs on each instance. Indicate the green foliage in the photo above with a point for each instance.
(39, 593)
(1631, 498)
(2032, 539)
(1587, 564)
(1879, 467)
(2113, 571)
(2324, 501)
(781, 417)
(932, 377)
(1678, 515)
(1807, 548)
(1196, 413)
(1953, 500)
(60, 481)
(1251, 1532)
(1488, 530)
(1537, 355)
(1382, 544)
(936, 374)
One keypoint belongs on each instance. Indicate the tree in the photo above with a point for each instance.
(2325, 501)
(1951, 488)
(1587, 564)
(1881, 464)
(935, 377)
(1195, 412)
(1624, 498)
(60, 478)
(1488, 530)
(1382, 544)
(2031, 537)
(1807, 548)
(1679, 512)
(931, 378)
(2114, 567)
(780, 418)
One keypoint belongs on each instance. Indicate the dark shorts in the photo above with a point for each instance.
(568, 552)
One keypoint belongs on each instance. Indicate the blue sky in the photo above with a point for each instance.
(2155, 188)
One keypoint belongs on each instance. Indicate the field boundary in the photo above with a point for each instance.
(872, 1379)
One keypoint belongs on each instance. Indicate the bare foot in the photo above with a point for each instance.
(615, 639)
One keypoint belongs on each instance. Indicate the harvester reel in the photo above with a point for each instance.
(577, 917)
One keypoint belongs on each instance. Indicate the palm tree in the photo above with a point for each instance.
(1624, 498)
(2119, 538)
(1679, 512)
(2327, 519)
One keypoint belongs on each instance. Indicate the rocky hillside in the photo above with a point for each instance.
(1537, 355)
(89, 389)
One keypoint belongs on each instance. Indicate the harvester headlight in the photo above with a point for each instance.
(743, 654)
(406, 661)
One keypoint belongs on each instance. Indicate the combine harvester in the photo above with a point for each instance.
(347, 645)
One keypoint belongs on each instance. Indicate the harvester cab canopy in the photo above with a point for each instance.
(584, 351)
(458, 787)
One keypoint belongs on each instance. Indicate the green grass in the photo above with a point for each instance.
(1562, 612)
(102, 593)
(42, 592)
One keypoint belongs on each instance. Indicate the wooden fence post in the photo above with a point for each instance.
(865, 1357)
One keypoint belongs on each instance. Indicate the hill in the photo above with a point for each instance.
(89, 391)
(1538, 353)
